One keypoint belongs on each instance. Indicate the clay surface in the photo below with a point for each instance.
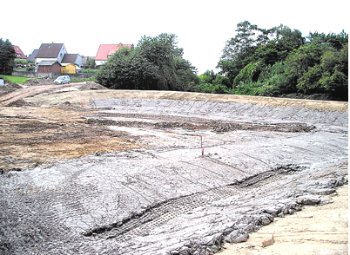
(85, 170)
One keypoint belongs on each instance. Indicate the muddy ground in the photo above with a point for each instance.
(85, 170)
(314, 230)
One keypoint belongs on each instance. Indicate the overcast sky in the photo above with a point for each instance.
(202, 26)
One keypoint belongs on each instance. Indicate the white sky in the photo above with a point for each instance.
(202, 26)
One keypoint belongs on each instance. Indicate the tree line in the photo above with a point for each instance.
(278, 61)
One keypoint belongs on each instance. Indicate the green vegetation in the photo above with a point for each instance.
(90, 63)
(209, 82)
(7, 56)
(280, 61)
(277, 61)
(89, 70)
(15, 79)
(156, 63)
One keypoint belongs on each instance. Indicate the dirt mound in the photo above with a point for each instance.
(91, 86)
(39, 81)
(9, 87)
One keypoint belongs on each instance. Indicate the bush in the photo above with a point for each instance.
(211, 88)
(89, 70)
(22, 62)
(252, 88)
(250, 73)
(30, 68)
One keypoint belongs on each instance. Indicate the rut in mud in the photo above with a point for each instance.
(160, 213)
(163, 122)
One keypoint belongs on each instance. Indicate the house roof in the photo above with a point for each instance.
(19, 52)
(105, 50)
(69, 58)
(49, 50)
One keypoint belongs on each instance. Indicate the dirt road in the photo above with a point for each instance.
(87, 170)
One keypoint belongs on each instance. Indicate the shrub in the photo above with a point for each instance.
(211, 88)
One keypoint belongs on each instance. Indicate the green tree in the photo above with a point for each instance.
(7, 56)
(240, 49)
(211, 82)
(127, 69)
(329, 76)
(336, 41)
(90, 62)
(155, 63)
(280, 61)
(254, 44)
(282, 41)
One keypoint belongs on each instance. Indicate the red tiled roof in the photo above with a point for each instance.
(106, 50)
(19, 52)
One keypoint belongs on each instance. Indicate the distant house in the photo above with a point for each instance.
(49, 57)
(32, 56)
(71, 63)
(106, 50)
(19, 52)
(50, 52)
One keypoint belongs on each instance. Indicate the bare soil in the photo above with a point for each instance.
(86, 170)
(315, 230)
(31, 136)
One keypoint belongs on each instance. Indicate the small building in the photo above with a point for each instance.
(106, 50)
(69, 69)
(48, 67)
(19, 52)
(71, 63)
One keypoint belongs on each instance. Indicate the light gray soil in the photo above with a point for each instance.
(259, 162)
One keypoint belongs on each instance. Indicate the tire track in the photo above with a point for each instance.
(160, 213)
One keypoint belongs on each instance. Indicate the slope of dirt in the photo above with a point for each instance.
(315, 230)
(140, 172)
(87, 97)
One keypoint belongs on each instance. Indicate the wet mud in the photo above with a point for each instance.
(129, 175)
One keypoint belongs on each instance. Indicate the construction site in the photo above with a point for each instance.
(89, 170)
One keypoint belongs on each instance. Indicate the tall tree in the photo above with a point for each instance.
(155, 63)
(240, 50)
(7, 56)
